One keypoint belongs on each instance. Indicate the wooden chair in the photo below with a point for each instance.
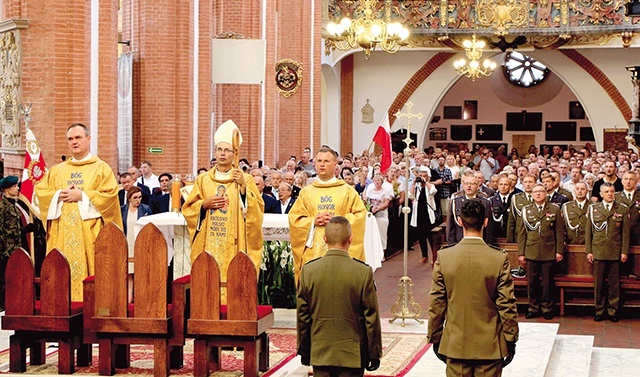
(150, 319)
(53, 318)
(240, 323)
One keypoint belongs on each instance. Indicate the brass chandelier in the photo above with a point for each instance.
(367, 31)
(473, 70)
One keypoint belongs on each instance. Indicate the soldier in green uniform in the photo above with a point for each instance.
(606, 245)
(478, 339)
(631, 198)
(339, 329)
(574, 214)
(517, 202)
(540, 246)
(10, 225)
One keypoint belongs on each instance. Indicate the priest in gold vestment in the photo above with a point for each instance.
(224, 209)
(77, 198)
(316, 205)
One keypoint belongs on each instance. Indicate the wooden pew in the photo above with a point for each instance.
(53, 318)
(240, 323)
(575, 284)
(150, 319)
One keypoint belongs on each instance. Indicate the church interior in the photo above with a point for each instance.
(153, 79)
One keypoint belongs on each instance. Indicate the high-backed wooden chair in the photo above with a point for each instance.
(150, 319)
(240, 323)
(53, 318)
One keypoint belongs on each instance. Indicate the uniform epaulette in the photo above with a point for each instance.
(313, 260)
(482, 194)
(457, 193)
(497, 248)
(448, 246)
(622, 204)
(357, 260)
(556, 204)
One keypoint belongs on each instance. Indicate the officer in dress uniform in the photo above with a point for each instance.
(500, 207)
(553, 195)
(606, 245)
(517, 202)
(540, 246)
(574, 214)
(470, 190)
(631, 198)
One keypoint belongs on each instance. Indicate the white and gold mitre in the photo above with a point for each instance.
(228, 132)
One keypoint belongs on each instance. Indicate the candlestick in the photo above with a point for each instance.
(175, 193)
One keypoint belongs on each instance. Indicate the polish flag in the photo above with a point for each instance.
(34, 169)
(383, 139)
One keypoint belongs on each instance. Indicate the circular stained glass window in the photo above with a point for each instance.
(523, 70)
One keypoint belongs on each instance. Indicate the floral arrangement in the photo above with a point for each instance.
(276, 285)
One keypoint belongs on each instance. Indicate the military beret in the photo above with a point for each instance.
(8, 181)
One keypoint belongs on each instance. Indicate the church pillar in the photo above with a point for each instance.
(56, 74)
(346, 109)
(634, 122)
(162, 44)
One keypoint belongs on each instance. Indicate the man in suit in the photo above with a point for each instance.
(554, 197)
(339, 331)
(500, 207)
(517, 202)
(270, 203)
(606, 245)
(540, 246)
(482, 187)
(575, 215)
(126, 182)
(285, 199)
(289, 177)
(160, 200)
(469, 191)
(478, 339)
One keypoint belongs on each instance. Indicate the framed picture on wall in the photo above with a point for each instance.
(438, 133)
(452, 112)
(524, 121)
(586, 134)
(560, 131)
(461, 133)
(575, 110)
(488, 131)
(470, 110)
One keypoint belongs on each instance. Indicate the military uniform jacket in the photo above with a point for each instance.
(566, 193)
(558, 198)
(607, 233)
(575, 221)
(454, 231)
(473, 290)
(10, 227)
(517, 202)
(541, 234)
(338, 318)
(634, 215)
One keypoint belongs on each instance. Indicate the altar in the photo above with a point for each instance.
(276, 282)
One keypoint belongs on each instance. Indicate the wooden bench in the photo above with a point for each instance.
(115, 324)
(53, 318)
(239, 323)
(575, 283)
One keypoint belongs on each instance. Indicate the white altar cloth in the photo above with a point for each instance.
(275, 227)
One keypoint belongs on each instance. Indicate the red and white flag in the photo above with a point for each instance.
(34, 169)
(383, 139)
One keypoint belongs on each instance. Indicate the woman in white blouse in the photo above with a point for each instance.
(377, 199)
(423, 216)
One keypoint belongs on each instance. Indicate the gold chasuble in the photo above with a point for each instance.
(72, 228)
(225, 231)
(337, 198)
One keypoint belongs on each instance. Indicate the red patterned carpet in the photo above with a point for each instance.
(401, 352)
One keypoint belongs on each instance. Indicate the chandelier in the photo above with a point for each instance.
(473, 70)
(367, 31)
